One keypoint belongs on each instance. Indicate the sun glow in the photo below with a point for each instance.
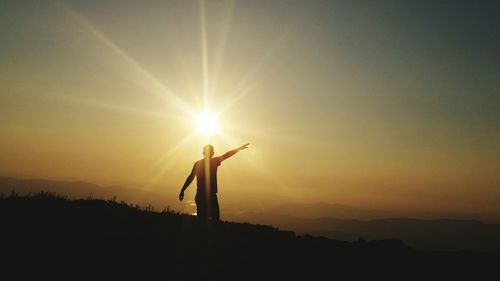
(206, 123)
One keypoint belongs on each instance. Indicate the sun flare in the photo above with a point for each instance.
(206, 123)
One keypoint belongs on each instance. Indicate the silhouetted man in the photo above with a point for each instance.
(205, 171)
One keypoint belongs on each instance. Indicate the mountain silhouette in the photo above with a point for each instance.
(337, 222)
(47, 236)
(340, 211)
(424, 234)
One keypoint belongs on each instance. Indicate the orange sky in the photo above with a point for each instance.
(341, 103)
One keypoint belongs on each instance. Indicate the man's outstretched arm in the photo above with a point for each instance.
(234, 151)
(188, 181)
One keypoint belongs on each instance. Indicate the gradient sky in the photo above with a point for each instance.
(376, 104)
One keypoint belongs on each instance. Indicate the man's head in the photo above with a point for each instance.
(208, 151)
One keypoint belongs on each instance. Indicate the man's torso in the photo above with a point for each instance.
(206, 175)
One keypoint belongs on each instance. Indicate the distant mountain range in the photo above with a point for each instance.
(330, 220)
(81, 189)
(437, 234)
(321, 210)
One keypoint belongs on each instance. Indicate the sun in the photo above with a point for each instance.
(206, 123)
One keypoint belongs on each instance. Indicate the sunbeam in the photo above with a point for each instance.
(283, 187)
(221, 48)
(273, 119)
(206, 123)
(250, 79)
(165, 162)
(261, 133)
(204, 51)
(159, 88)
(121, 108)
(206, 127)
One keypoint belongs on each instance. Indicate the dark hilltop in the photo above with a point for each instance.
(49, 237)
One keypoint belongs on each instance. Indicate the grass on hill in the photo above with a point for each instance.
(49, 236)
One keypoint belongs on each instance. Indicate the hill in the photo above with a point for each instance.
(82, 189)
(46, 236)
(424, 234)
(330, 220)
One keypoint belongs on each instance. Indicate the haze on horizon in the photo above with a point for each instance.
(376, 104)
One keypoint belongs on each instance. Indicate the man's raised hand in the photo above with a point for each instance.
(245, 146)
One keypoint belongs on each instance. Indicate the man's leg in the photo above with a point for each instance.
(201, 208)
(215, 208)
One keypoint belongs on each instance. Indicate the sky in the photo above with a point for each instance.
(377, 104)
